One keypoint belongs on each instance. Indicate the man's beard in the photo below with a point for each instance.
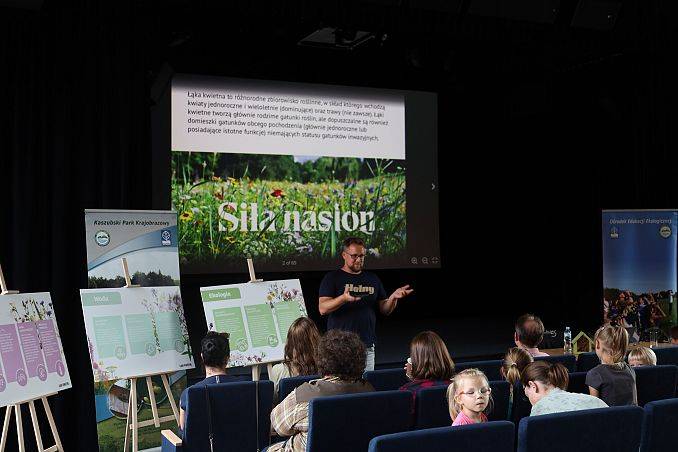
(356, 267)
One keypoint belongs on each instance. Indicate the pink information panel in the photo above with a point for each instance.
(32, 362)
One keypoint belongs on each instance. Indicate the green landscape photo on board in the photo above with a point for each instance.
(293, 210)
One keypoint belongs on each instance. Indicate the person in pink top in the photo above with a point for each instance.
(469, 397)
(529, 334)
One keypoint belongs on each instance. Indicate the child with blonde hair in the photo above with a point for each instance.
(613, 381)
(469, 397)
(515, 361)
(642, 356)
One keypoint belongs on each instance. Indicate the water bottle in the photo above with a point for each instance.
(567, 341)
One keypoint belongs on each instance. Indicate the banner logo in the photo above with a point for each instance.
(614, 232)
(166, 237)
(665, 231)
(102, 238)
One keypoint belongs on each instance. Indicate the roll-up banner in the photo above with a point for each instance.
(149, 242)
(640, 274)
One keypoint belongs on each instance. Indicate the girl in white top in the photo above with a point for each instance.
(545, 385)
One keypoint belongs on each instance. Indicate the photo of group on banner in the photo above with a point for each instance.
(640, 311)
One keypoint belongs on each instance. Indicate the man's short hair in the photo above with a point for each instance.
(673, 332)
(348, 241)
(530, 330)
(341, 354)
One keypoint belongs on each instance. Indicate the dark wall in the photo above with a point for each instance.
(541, 126)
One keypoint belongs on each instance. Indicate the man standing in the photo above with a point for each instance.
(351, 297)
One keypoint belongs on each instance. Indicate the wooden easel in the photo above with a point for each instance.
(132, 424)
(256, 370)
(16, 407)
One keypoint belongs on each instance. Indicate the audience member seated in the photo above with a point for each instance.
(545, 386)
(673, 332)
(300, 351)
(529, 334)
(642, 356)
(469, 397)
(340, 360)
(613, 381)
(515, 361)
(214, 351)
(431, 364)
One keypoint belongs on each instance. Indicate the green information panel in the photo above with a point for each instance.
(261, 326)
(169, 332)
(286, 313)
(101, 299)
(140, 334)
(232, 293)
(230, 320)
(110, 337)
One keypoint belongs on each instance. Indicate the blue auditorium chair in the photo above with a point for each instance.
(487, 437)
(348, 422)
(289, 384)
(238, 422)
(667, 355)
(521, 406)
(489, 368)
(587, 361)
(432, 409)
(659, 432)
(655, 383)
(569, 361)
(614, 429)
(386, 379)
(578, 383)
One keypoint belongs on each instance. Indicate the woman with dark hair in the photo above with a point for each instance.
(340, 361)
(302, 343)
(429, 364)
(545, 386)
(215, 352)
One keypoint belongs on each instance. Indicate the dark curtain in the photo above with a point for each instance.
(75, 136)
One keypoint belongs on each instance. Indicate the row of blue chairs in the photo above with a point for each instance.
(621, 429)
(243, 410)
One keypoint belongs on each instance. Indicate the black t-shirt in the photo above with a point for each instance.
(360, 316)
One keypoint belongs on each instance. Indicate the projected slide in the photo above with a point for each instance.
(284, 172)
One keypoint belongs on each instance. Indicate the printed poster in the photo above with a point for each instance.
(32, 362)
(256, 316)
(639, 269)
(134, 332)
(149, 241)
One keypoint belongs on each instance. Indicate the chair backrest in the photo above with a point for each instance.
(655, 383)
(614, 428)
(521, 404)
(490, 368)
(486, 437)
(587, 361)
(432, 408)
(289, 384)
(235, 416)
(501, 395)
(667, 355)
(386, 379)
(659, 432)
(578, 383)
(349, 422)
(569, 361)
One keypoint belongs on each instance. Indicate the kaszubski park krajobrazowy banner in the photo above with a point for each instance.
(285, 209)
(149, 242)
